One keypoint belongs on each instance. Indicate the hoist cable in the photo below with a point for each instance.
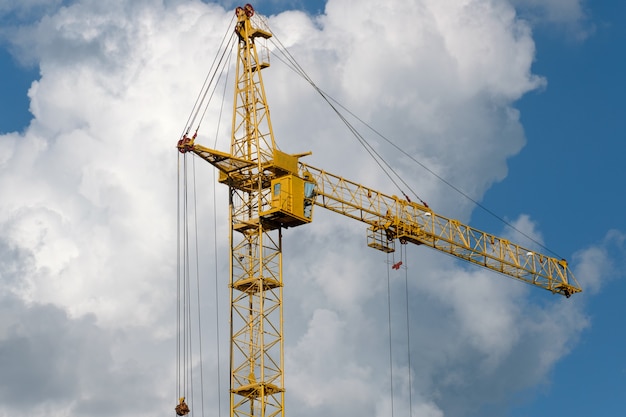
(178, 279)
(182, 293)
(200, 353)
(189, 122)
(408, 328)
(206, 91)
(226, 65)
(391, 143)
(217, 320)
(187, 371)
(185, 338)
(187, 201)
(294, 66)
(205, 86)
(390, 338)
(182, 325)
(215, 255)
(446, 182)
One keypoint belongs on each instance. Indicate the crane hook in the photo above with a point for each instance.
(182, 408)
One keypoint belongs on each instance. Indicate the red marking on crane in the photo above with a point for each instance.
(396, 265)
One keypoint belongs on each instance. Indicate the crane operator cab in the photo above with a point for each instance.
(292, 200)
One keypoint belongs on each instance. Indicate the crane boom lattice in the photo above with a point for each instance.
(391, 218)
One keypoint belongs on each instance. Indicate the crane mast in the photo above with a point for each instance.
(256, 322)
(256, 281)
(270, 190)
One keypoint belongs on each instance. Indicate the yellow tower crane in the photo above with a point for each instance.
(270, 190)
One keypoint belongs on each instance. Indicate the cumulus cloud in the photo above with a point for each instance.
(560, 11)
(439, 92)
(525, 232)
(53, 364)
(28, 8)
(602, 263)
(88, 208)
(568, 16)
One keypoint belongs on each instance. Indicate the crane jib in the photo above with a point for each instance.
(391, 218)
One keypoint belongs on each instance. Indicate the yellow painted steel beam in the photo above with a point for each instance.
(411, 222)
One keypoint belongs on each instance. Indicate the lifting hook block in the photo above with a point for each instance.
(182, 408)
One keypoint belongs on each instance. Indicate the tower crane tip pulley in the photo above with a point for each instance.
(271, 190)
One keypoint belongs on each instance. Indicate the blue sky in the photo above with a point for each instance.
(572, 172)
(568, 177)
(15, 114)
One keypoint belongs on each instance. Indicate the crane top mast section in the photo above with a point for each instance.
(252, 135)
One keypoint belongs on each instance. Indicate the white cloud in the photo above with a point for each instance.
(599, 264)
(26, 8)
(55, 365)
(559, 11)
(88, 202)
(566, 16)
(440, 89)
(524, 232)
